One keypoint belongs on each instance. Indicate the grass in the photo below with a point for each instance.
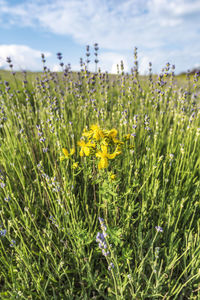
(142, 210)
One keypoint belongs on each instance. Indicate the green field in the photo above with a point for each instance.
(99, 186)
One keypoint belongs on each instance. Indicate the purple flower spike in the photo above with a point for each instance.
(111, 266)
(159, 229)
(101, 220)
(3, 232)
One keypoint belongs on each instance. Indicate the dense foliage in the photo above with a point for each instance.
(99, 185)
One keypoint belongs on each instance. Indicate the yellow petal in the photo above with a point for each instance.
(99, 154)
(127, 136)
(87, 133)
(118, 152)
(104, 148)
(81, 152)
(111, 156)
(112, 176)
(66, 153)
(86, 151)
(116, 141)
(81, 143)
(94, 127)
(113, 133)
(103, 163)
(72, 151)
(75, 165)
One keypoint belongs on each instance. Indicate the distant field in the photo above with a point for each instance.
(99, 185)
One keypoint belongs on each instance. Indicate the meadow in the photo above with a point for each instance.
(99, 184)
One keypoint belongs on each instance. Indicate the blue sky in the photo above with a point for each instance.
(162, 30)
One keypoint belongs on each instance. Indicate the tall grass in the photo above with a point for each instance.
(128, 231)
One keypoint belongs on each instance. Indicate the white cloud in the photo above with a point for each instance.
(56, 68)
(174, 8)
(157, 27)
(144, 65)
(16, 14)
(22, 56)
(114, 24)
(108, 61)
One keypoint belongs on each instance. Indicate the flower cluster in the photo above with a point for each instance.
(3, 232)
(101, 240)
(2, 180)
(102, 144)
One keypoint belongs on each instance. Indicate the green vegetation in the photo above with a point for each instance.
(99, 186)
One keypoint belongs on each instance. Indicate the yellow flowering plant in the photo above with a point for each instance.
(99, 147)
(102, 144)
(98, 143)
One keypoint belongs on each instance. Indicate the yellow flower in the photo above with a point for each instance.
(112, 133)
(104, 156)
(112, 176)
(116, 141)
(127, 136)
(85, 147)
(72, 151)
(88, 134)
(95, 132)
(66, 153)
(75, 165)
(103, 163)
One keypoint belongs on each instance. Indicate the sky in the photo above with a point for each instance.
(162, 30)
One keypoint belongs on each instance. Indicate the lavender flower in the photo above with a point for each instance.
(59, 56)
(53, 221)
(7, 199)
(102, 243)
(8, 60)
(42, 140)
(111, 266)
(2, 184)
(3, 232)
(12, 244)
(101, 240)
(159, 229)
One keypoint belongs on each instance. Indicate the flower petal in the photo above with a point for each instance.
(103, 163)
(72, 151)
(81, 152)
(66, 153)
(86, 151)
